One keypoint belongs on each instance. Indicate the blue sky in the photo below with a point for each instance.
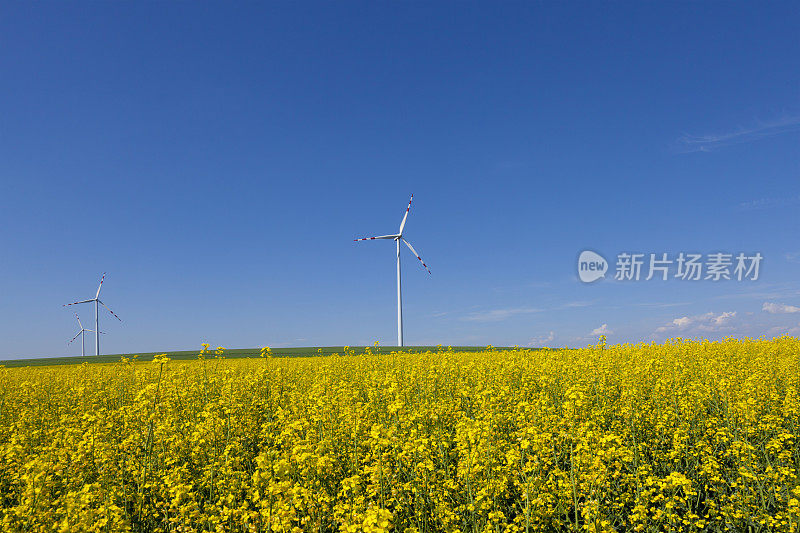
(217, 160)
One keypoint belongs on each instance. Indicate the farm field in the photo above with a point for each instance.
(682, 436)
(311, 351)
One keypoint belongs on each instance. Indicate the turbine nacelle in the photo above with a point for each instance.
(398, 237)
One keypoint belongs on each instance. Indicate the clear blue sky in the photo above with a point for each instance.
(217, 160)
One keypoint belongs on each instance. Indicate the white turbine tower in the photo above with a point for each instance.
(82, 334)
(97, 301)
(397, 238)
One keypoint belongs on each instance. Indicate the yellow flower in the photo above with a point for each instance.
(682, 436)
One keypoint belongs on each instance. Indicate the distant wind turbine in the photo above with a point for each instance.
(97, 301)
(82, 334)
(397, 238)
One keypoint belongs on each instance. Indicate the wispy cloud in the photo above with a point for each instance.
(708, 143)
(769, 203)
(659, 305)
(496, 315)
(573, 305)
(602, 330)
(775, 308)
(784, 330)
(707, 322)
(542, 340)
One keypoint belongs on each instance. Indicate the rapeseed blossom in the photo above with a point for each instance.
(682, 436)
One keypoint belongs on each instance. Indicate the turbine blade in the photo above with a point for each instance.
(79, 320)
(100, 286)
(109, 310)
(75, 337)
(413, 251)
(403, 223)
(379, 237)
(81, 302)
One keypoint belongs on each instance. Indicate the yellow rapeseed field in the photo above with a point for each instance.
(683, 436)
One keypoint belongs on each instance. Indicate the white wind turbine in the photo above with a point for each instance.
(397, 238)
(97, 301)
(82, 334)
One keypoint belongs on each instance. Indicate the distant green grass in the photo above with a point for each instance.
(231, 354)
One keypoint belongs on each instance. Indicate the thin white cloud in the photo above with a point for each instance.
(663, 305)
(723, 319)
(708, 322)
(682, 322)
(769, 203)
(779, 331)
(572, 305)
(718, 323)
(707, 143)
(542, 340)
(776, 308)
(496, 315)
(602, 330)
